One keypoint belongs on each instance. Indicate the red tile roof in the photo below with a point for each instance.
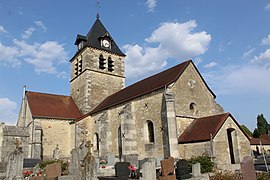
(52, 106)
(264, 139)
(150, 84)
(202, 129)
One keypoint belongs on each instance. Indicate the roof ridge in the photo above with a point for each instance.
(47, 93)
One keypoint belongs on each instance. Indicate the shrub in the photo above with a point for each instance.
(205, 161)
(226, 176)
(263, 176)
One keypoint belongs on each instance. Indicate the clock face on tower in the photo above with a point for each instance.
(105, 43)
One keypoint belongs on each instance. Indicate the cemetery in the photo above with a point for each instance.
(84, 166)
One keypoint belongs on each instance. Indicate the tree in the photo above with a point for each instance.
(256, 133)
(246, 130)
(262, 125)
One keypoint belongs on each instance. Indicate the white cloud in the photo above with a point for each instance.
(263, 58)
(41, 25)
(210, 65)
(46, 56)
(151, 4)
(7, 111)
(171, 40)
(27, 33)
(267, 7)
(245, 78)
(266, 41)
(248, 53)
(9, 56)
(2, 30)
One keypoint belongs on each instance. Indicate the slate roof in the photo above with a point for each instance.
(264, 139)
(92, 39)
(52, 106)
(150, 84)
(201, 129)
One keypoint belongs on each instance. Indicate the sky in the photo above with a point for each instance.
(229, 41)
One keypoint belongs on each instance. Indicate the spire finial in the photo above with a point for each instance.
(98, 7)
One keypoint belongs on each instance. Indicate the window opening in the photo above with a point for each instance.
(102, 62)
(110, 64)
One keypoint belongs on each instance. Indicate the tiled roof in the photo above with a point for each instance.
(52, 106)
(264, 139)
(143, 87)
(150, 84)
(202, 129)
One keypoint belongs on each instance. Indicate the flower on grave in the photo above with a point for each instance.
(27, 173)
(103, 162)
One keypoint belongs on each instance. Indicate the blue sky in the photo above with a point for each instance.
(229, 41)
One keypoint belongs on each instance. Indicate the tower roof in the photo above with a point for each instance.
(94, 36)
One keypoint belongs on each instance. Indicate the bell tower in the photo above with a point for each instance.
(97, 68)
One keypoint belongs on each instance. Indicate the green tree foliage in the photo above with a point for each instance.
(262, 126)
(246, 130)
(206, 164)
(256, 133)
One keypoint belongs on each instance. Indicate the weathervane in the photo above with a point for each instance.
(98, 6)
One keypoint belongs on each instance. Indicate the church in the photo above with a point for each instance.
(172, 113)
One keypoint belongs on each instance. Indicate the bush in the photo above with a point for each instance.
(205, 161)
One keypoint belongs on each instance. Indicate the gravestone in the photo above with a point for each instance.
(15, 163)
(149, 170)
(53, 170)
(110, 160)
(74, 167)
(196, 169)
(89, 164)
(248, 169)
(121, 169)
(56, 153)
(158, 159)
(167, 169)
(182, 169)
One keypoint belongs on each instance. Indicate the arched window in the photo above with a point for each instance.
(97, 141)
(193, 108)
(150, 131)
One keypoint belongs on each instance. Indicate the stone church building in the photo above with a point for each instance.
(172, 113)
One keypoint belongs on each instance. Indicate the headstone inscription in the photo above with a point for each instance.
(248, 169)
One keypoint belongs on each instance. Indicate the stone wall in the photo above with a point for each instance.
(194, 149)
(55, 132)
(241, 144)
(190, 88)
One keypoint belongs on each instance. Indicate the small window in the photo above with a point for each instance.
(193, 108)
(150, 131)
(102, 62)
